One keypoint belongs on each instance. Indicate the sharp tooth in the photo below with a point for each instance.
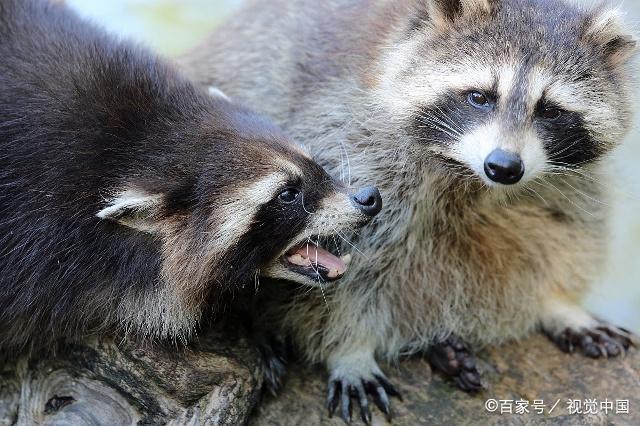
(297, 259)
(333, 273)
(346, 258)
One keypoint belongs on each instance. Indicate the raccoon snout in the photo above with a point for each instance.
(368, 201)
(504, 167)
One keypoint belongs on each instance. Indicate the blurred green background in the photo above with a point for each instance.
(173, 26)
(169, 26)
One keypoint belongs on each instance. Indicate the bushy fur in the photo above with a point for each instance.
(448, 254)
(128, 196)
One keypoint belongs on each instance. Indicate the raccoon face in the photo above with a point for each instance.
(306, 216)
(510, 89)
(244, 203)
(287, 215)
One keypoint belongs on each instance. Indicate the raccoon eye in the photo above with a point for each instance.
(478, 99)
(551, 113)
(289, 195)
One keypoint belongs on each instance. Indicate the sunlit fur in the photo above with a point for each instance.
(448, 254)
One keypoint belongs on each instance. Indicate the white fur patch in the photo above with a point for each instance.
(569, 95)
(354, 366)
(474, 147)
(263, 190)
(607, 24)
(506, 80)
(337, 206)
(130, 208)
(533, 156)
(538, 81)
(291, 168)
(129, 200)
(401, 95)
(559, 315)
(238, 210)
(217, 93)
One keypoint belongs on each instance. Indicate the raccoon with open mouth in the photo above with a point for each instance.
(131, 199)
(484, 122)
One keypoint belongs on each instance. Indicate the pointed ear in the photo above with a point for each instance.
(606, 29)
(135, 209)
(444, 12)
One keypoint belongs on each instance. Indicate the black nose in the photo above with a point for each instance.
(504, 167)
(368, 200)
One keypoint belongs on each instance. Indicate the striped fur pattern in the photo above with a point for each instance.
(129, 198)
(452, 252)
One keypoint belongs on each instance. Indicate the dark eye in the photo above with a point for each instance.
(550, 113)
(478, 99)
(289, 195)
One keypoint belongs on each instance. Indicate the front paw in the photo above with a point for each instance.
(599, 341)
(453, 359)
(355, 385)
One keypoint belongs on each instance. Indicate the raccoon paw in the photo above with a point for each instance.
(343, 389)
(453, 359)
(601, 341)
(273, 354)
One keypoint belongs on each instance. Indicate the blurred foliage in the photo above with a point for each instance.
(169, 26)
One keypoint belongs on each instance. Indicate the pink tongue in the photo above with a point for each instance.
(319, 256)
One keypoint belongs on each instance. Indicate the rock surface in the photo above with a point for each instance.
(530, 370)
(217, 382)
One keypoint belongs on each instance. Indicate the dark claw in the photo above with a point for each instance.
(603, 341)
(388, 387)
(346, 402)
(380, 398)
(361, 394)
(453, 359)
(624, 330)
(468, 381)
(333, 397)
(341, 391)
(621, 336)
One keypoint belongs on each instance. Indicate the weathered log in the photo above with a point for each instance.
(217, 381)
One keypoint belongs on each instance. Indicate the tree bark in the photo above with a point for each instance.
(217, 381)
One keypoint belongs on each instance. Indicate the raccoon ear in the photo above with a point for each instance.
(606, 29)
(135, 209)
(444, 12)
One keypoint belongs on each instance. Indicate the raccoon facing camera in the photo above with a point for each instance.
(483, 122)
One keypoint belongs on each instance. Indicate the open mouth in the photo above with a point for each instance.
(315, 262)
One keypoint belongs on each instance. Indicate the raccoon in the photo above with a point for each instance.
(132, 200)
(486, 125)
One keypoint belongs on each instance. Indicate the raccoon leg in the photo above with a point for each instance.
(453, 359)
(571, 328)
(358, 376)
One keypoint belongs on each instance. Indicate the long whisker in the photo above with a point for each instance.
(303, 206)
(528, 188)
(352, 245)
(563, 195)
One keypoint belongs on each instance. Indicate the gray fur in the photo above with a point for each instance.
(447, 254)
